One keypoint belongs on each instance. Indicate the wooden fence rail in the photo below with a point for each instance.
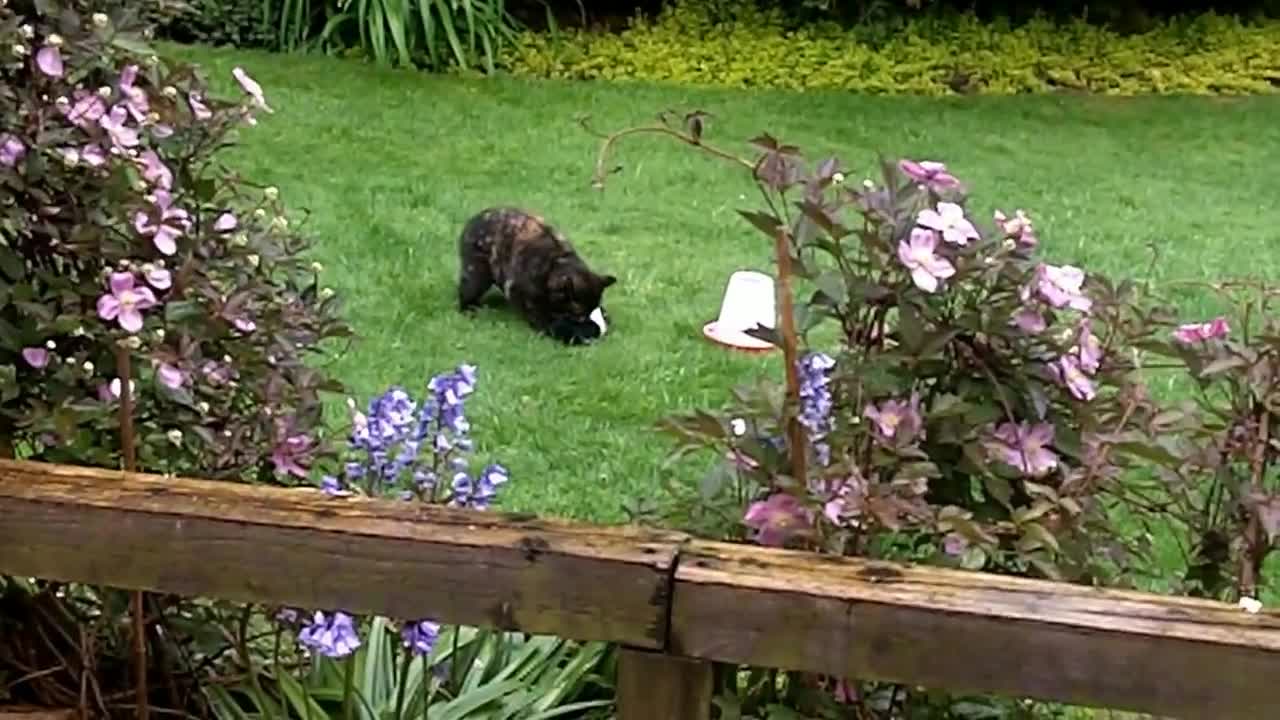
(673, 601)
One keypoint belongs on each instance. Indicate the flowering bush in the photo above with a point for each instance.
(968, 407)
(982, 406)
(123, 234)
(137, 272)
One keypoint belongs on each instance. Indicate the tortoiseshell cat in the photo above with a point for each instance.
(537, 270)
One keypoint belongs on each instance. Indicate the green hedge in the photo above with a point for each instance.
(686, 44)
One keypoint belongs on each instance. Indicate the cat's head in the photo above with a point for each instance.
(575, 290)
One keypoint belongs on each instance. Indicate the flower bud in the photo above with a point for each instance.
(133, 342)
(104, 92)
(175, 436)
(272, 192)
(254, 259)
(837, 178)
(203, 407)
(87, 367)
(100, 19)
(326, 293)
(20, 50)
(170, 92)
(54, 40)
(317, 268)
(259, 213)
(28, 31)
(160, 334)
(240, 240)
(51, 345)
(78, 332)
(71, 157)
(279, 223)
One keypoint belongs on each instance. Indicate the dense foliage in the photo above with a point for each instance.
(144, 285)
(961, 400)
(735, 44)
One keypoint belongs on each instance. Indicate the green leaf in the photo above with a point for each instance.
(1041, 536)
(1000, 489)
(831, 284)
(8, 383)
(11, 265)
(910, 327)
(973, 558)
(766, 223)
(180, 311)
(1222, 365)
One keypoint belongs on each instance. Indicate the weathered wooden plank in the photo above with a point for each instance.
(300, 547)
(652, 685)
(967, 631)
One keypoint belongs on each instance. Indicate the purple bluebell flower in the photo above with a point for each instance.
(816, 402)
(332, 635)
(420, 637)
(391, 437)
(331, 485)
(478, 493)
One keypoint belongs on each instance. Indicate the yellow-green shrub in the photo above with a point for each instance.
(686, 44)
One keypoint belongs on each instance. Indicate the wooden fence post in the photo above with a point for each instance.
(653, 686)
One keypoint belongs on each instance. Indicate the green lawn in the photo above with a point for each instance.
(391, 163)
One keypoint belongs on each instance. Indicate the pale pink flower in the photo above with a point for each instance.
(170, 376)
(36, 357)
(1018, 228)
(122, 136)
(932, 174)
(1087, 350)
(1215, 329)
(11, 150)
(198, 108)
(917, 254)
(226, 222)
(125, 302)
(1069, 372)
(1024, 447)
(93, 155)
(155, 171)
(849, 500)
(290, 453)
(949, 220)
(135, 98)
(157, 277)
(845, 692)
(1062, 286)
(161, 131)
(777, 519)
(954, 544)
(216, 373)
(165, 224)
(244, 324)
(250, 86)
(896, 418)
(49, 60)
(87, 110)
(1030, 321)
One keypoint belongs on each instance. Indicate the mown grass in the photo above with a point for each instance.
(391, 163)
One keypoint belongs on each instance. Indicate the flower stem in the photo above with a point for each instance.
(348, 688)
(404, 680)
(795, 432)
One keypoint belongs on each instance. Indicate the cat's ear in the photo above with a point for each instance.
(607, 280)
